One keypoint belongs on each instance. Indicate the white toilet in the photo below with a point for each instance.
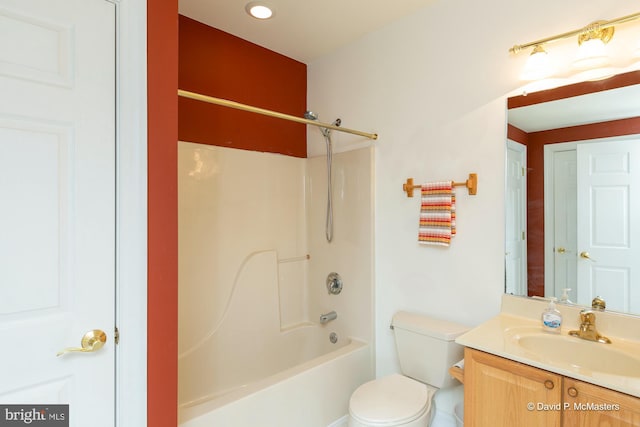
(426, 350)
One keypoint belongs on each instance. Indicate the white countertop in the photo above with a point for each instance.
(499, 336)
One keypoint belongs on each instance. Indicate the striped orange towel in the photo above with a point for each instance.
(437, 213)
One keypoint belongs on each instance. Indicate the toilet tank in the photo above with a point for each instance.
(426, 347)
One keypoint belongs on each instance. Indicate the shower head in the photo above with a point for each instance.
(310, 115)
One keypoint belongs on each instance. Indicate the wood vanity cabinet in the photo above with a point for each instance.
(502, 393)
(590, 405)
(498, 393)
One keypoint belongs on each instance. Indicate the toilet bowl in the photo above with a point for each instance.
(426, 349)
(394, 400)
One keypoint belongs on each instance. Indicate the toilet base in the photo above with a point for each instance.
(440, 415)
(422, 421)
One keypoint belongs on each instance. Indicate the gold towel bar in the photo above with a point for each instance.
(471, 184)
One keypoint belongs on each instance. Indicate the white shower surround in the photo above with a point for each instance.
(247, 221)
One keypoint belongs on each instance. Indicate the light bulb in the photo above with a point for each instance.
(259, 10)
(538, 65)
(591, 54)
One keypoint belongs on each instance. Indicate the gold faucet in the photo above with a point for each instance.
(587, 329)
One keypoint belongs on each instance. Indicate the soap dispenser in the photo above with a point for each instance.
(552, 318)
(564, 298)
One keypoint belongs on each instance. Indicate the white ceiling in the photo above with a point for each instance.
(591, 108)
(306, 30)
(301, 29)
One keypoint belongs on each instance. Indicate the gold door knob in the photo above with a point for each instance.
(586, 255)
(561, 250)
(91, 341)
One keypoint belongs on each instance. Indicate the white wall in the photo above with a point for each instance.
(433, 85)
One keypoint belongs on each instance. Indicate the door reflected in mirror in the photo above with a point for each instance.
(573, 193)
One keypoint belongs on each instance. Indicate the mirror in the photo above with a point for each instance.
(573, 193)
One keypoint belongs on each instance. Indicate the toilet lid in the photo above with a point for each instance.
(390, 400)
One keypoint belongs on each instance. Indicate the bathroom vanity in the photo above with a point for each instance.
(501, 392)
(517, 375)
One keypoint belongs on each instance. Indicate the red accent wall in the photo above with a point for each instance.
(162, 268)
(221, 65)
(516, 134)
(535, 217)
(218, 64)
(576, 89)
(535, 142)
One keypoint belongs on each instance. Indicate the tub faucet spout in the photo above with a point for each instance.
(324, 318)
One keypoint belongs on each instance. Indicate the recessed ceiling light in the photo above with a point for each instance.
(259, 10)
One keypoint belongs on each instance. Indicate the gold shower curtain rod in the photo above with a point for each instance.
(252, 109)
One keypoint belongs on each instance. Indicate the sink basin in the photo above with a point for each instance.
(579, 354)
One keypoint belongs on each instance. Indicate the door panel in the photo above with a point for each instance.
(564, 217)
(41, 199)
(516, 219)
(35, 48)
(609, 194)
(57, 186)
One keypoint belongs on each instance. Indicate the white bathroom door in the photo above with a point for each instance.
(565, 213)
(57, 198)
(516, 219)
(608, 236)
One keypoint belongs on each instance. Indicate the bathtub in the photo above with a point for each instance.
(311, 393)
(250, 369)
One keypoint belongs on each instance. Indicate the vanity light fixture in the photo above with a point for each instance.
(259, 10)
(538, 65)
(591, 51)
(591, 47)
